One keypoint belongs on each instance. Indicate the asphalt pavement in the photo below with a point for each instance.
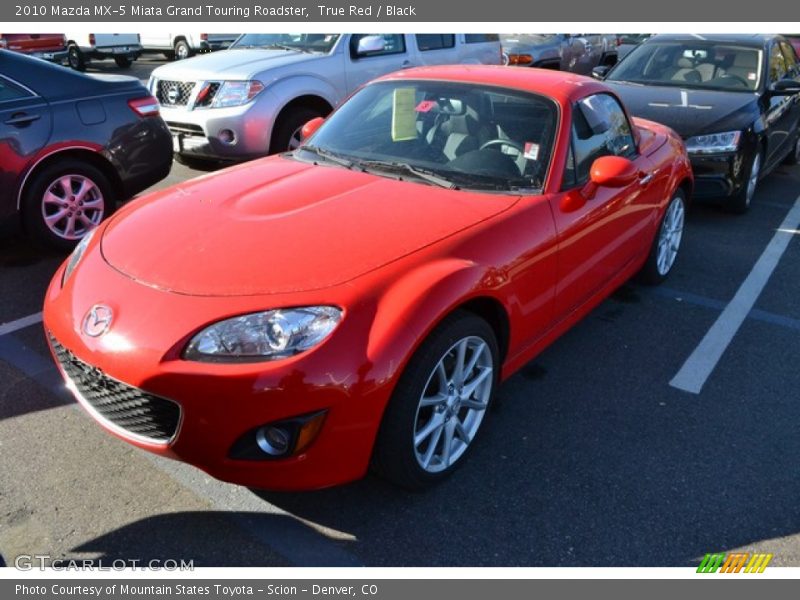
(591, 457)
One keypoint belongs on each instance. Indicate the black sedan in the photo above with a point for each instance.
(72, 145)
(733, 98)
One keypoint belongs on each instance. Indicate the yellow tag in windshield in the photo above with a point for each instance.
(404, 117)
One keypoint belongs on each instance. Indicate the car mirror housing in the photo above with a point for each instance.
(370, 44)
(785, 87)
(613, 172)
(311, 127)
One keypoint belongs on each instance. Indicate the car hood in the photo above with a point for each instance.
(277, 225)
(688, 111)
(231, 64)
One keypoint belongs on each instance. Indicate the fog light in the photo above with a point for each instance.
(226, 136)
(273, 440)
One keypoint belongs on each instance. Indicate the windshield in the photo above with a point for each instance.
(700, 64)
(464, 136)
(304, 42)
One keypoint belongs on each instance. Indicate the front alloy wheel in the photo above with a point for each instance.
(741, 201)
(439, 403)
(667, 243)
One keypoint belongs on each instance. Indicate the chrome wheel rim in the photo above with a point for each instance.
(669, 239)
(453, 404)
(753, 181)
(72, 206)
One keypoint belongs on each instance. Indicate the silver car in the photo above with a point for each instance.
(253, 98)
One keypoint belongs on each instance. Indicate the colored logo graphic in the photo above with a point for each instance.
(734, 563)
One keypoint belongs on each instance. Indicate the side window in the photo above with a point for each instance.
(481, 38)
(382, 44)
(435, 41)
(777, 63)
(570, 180)
(790, 56)
(11, 91)
(599, 128)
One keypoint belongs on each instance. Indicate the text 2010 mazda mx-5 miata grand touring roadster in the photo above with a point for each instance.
(288, 322)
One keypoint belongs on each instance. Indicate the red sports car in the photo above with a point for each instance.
(289, 322)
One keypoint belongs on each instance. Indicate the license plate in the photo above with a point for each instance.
(120, 50)
(47, 55)
(176, 143)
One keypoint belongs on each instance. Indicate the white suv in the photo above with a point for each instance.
(254, 98)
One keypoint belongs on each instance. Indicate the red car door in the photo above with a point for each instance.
(601, 237)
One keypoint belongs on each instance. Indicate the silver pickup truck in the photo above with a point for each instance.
(253, 98)
(177, 46)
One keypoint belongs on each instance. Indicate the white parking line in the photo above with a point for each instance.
(12, 326)
(701, 363)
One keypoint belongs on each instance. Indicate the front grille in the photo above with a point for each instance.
(174, 93)
(186, 128)
(124, 406)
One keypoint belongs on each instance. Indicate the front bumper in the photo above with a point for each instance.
(220, 403)
(718, 175)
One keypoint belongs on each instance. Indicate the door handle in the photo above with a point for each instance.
(21, 119)
(645, 178)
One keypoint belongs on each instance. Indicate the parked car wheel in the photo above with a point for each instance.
(740, 203)
(667, 243)
(287, 131)
(123, 62)
(182, 50)
(65, 201)
(439, 404)
(75, 58)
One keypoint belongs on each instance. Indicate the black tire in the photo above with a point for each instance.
(793, 158)
(288, 125)
(182, 50)
(394, 456)
(740, 202)
(75, 58)
(33, 210)
(123, 62)
(651, 274)
(199, 164)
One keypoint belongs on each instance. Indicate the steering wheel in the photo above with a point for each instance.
(501, 142)
(736, 78)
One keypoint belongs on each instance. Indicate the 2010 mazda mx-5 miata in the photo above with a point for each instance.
(289, 322)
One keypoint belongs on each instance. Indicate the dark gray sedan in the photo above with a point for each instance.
(72, 145)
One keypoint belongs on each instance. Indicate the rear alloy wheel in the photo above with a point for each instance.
(439, 404)
(65, 201)
(182, 50)
(740, 203)
(667, 244)
(75, 58)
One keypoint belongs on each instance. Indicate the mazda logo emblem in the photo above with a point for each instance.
(172, 94)
(98, 320)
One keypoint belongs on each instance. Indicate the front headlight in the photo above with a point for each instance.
(76, 256)
(232, 93)
(714, 143)
(267, 335)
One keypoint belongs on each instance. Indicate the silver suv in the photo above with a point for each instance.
(254, 97)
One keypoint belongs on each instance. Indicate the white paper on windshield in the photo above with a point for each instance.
(404, 117)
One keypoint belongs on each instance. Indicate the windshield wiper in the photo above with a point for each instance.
(402, 167)
(288, 48)
(327, 155)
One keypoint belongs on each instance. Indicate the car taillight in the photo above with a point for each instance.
(204, 37)
(91, 39)
(144, 107)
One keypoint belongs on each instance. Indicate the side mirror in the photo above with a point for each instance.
(311, 127)
(600, 72)
(784, 87)
(613, 172)
(370, 44)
